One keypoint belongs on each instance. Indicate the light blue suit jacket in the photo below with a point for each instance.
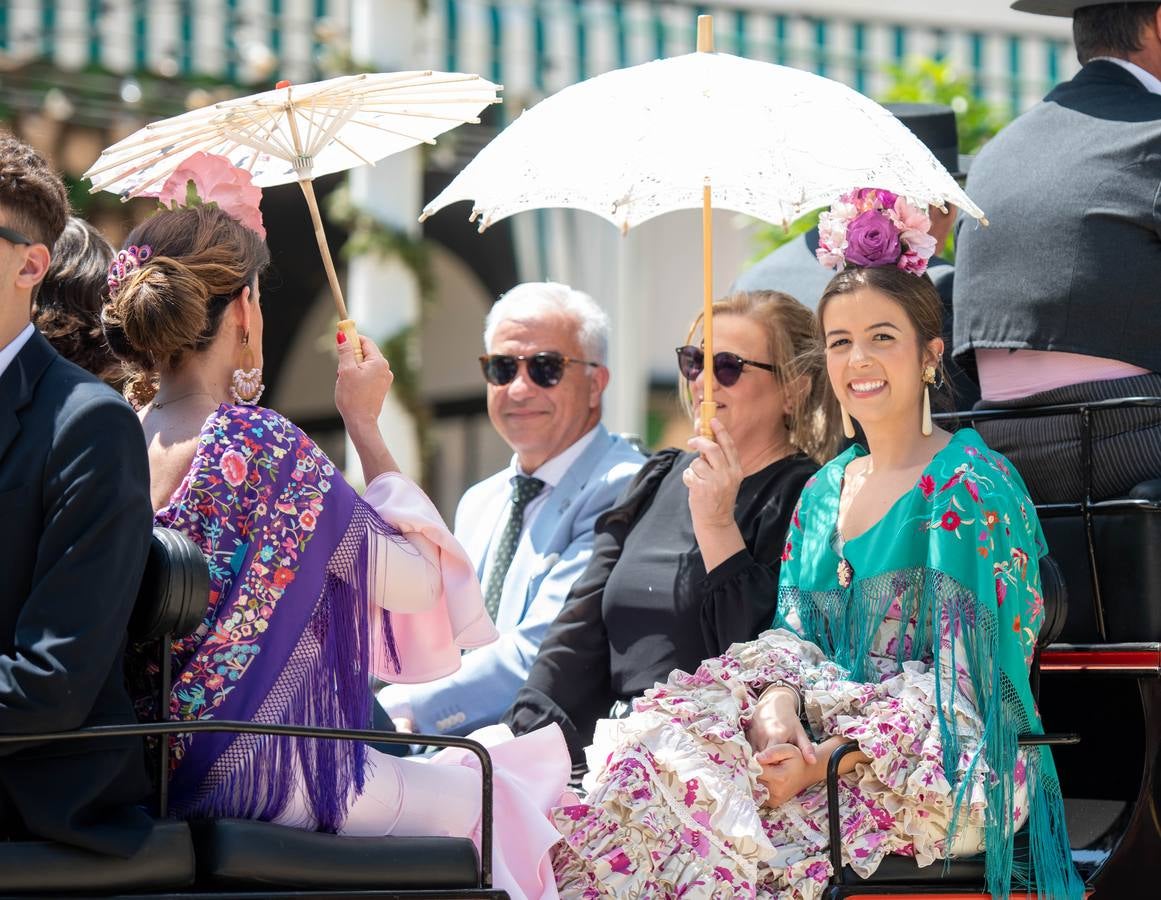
(551, 554)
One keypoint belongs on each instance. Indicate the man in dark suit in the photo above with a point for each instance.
(1057, 299)
(74, 534)
(794, 268)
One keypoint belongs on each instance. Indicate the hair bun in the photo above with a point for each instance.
(160, 311)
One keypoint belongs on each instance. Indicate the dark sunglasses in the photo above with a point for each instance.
(545, 369)
(728, 367)
(15, 237)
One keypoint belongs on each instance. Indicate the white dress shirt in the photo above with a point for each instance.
(8, 353)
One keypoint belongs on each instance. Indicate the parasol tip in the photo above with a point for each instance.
(424, 216)
(284, 83)
(705, 34)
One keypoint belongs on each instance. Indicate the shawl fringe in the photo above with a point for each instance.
(843, 623)
(326, 683)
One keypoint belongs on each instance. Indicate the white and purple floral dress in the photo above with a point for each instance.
(941, 595)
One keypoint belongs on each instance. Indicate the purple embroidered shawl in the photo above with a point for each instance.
(290, 633)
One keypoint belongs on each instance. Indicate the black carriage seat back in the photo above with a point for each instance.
(1056, 601)
(250, 855)
(174, 588)
(1115, 595)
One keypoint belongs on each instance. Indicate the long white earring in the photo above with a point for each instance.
(848, 425)
(928, 379)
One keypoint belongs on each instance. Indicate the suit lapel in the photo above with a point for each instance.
(17, 385)
(540, 543)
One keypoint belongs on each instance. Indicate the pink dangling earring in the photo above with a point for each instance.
(246, 385)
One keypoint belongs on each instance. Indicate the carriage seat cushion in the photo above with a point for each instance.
(44, 867)
(241, 853)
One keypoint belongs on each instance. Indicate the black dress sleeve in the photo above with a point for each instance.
(570, 681)
(741, 594)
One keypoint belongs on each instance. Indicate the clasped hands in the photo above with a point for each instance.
(790, 761)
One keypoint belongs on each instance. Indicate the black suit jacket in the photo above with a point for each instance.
(75, 522)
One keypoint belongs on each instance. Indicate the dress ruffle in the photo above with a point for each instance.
(674, 808)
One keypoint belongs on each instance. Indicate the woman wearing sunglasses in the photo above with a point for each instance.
(686, 564)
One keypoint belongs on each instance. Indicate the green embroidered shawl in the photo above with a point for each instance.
(960, 553)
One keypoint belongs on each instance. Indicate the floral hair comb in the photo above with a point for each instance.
(874, 227)
(124, 264)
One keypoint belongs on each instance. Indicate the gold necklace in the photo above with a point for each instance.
(160, 404)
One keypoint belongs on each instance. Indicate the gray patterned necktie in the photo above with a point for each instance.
(524, 489)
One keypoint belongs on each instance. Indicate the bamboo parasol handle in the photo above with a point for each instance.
(346, 324)
(705, 44)
(708, 406)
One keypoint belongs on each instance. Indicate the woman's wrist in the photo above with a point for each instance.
(371, 449)
(717, 543)
(779, 693)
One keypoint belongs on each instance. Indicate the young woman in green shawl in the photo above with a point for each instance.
(908, 607)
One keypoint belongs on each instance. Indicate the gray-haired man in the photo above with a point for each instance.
(529, 527)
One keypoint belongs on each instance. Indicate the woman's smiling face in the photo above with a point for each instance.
(874, 356)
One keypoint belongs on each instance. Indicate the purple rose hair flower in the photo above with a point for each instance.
(872, 240)
(874, 227)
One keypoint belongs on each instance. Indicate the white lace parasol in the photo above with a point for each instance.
(771, 141)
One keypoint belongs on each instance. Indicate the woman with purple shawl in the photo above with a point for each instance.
(313, 589)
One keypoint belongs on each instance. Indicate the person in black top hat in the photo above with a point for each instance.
(794, 268)
(1057, 299)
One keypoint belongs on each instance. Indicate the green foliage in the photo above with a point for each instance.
(88, 205)
(919, 80)
(923, 80)
(771, 237)
(401, 349)
(368, 235)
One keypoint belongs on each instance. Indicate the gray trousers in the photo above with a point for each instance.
(1126, 443)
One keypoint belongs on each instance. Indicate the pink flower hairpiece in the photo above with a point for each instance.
(124, 264)
(873, 227)
(206, 178)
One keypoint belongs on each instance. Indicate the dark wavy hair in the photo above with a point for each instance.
(67, 310)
